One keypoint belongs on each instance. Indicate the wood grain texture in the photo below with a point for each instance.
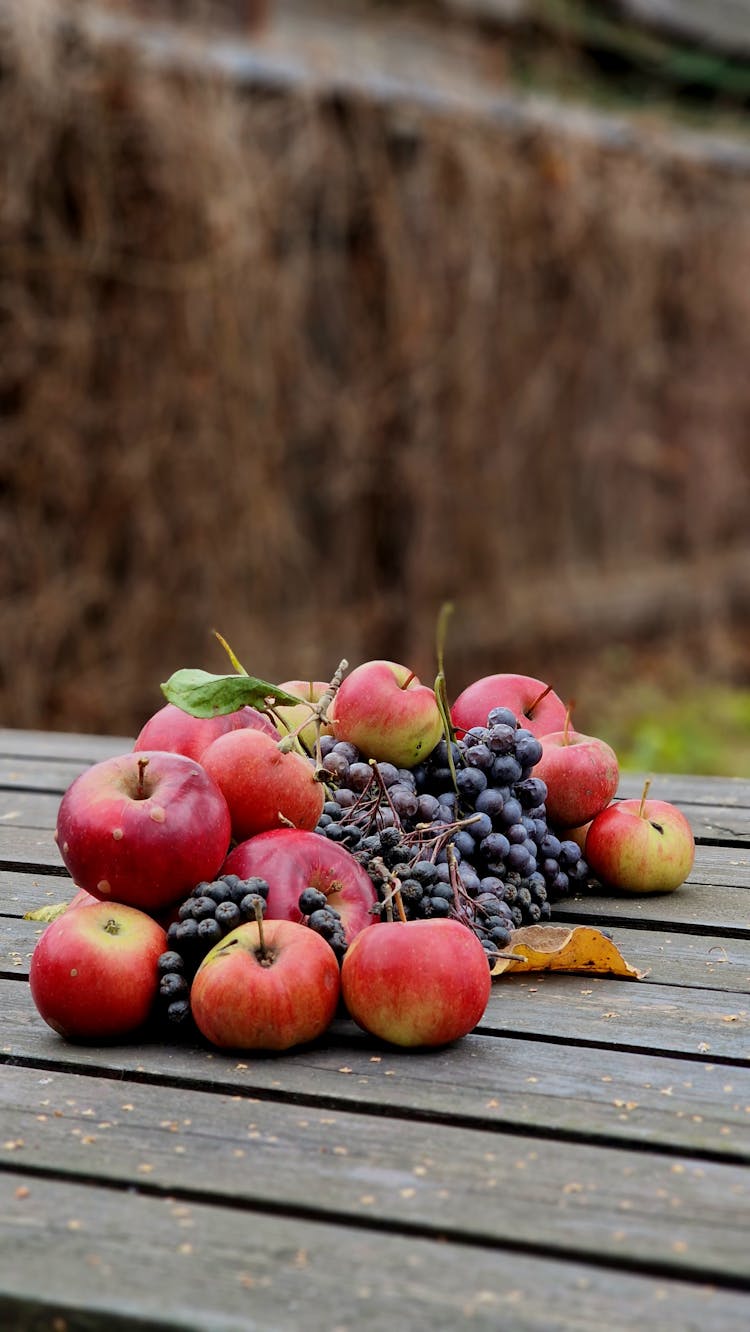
(480, 1187)
(209, 1269)
(574, 1091)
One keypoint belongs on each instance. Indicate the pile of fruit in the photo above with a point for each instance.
(230, 868)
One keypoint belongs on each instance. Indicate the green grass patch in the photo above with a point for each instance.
(704, 730)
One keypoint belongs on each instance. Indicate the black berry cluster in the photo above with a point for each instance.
(204, 918)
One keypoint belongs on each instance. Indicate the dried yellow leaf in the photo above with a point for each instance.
(46, 913)
(582, 950)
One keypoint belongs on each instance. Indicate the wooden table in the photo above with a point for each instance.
(579, 1162)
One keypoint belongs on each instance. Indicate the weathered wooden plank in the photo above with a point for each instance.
(46, 775)
(29, 848)
(637, 1015)
(700, 908)
(715, 962)
(588, 1203)
(709, 911)
(22, 891)
(573, 1093)
(196, 1266)
(682, 789)
(44, 745)
(28, 809)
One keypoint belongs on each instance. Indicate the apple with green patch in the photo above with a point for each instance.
(268, 985)
(641, 846)
(383, 709)
(298, 718)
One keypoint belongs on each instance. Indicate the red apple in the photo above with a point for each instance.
(537, 708)
(295, 716)
(264, 786)
(640, 846)
(93, 971)
(382, 708)
(422, 982)
(143, 828)
(268, 992)
(172, 729)
(581, 775)
(291, 860)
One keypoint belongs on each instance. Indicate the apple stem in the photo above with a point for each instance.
(141, 791)
(411, 676)
(529, 711)
(265, 955)
(566, 723)
(646, 789)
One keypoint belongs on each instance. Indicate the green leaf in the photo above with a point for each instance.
(205, 695)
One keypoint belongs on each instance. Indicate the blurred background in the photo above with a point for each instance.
(315, 316)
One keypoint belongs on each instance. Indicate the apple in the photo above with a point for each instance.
(93, 971)
(382, 708)
(266, 986)
(81, 898)
(172, 729)
(534, 703)
(264, 785)
(416, 983)
(291, 860)
(143, 828)
(299, 713)
(581, 774)
(641, 846)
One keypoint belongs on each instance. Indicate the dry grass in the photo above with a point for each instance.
(301, 370)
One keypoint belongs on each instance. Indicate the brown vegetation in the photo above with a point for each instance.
(303, 368)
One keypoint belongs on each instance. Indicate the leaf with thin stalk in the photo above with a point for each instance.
(240, 669)
(205, 695)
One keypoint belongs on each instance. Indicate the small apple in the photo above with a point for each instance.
(172, 729)
(143, 828)
(641, 846)
(419, 982)
(292, 717)
(535, 705)
(580, 772)
(93, 971)
(291, 860)
(264, 785)
(266, 986)
(382, 708)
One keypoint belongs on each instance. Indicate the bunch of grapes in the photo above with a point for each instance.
(209, 912)
(463, 834)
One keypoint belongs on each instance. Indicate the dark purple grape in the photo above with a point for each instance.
(491, 801)
(470, 783)
(502, 717)
(506, 770)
